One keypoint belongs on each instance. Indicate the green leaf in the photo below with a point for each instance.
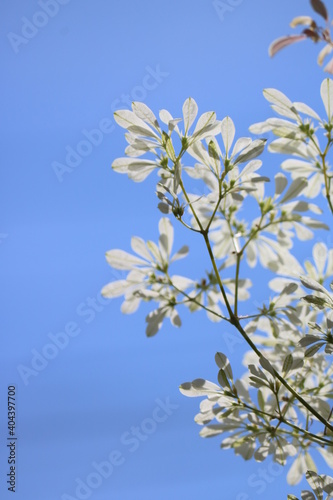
(261, 400)
(214, 155)
(289, 289)
(308, 340)
(313, 285)
(281, 182)
(295, 188)
(316, 483)
(169, 146)
(223, 379)
(258, 382)
(223, 362)
(287, 363)
(252, 151)
(266, 365)
(307, 495)
(316, 301)
(177, 176)
(311, 351)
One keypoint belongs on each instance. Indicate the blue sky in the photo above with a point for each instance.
(62, 81)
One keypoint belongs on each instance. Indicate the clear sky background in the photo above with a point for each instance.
(59, 82)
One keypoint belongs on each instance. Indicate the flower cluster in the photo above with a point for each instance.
(255, 427)
(148, 277)
(297, 137)
(280, 407)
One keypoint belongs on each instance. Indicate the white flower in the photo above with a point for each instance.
(148, 270)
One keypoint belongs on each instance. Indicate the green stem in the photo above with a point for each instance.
(239, 256)
(187, 226)
(191, 207)
(327, 182)
(321, 440)
(278, 376)
(323, 159)
(233, 318)
(195, 301)
(217, 275)
(216, 207)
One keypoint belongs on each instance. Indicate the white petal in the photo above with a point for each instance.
(175, 319)
(206, 125)
(228, 132)
(297, 470)
(302, 232)
(144, 113)
(276, 97)
(305, 109)
(190, 111)
(139, 247)
(252, 151)
(130, 305)
(315, 183)
(260, 128)
(281, 182)
(166, 236)
(319, 253)
(155, 320)
(326, 92)
(295, 188)
(127, 119)
(139, 175)
(251, 255)
(119, 259)
(116, 288)
(199, 387)
(241, 143)
(288, 146)
(181, 282)
(165, 116)
(299, 166)
(180, 254)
